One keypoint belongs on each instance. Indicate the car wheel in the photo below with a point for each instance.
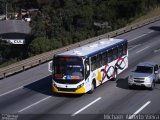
(152, 86)
(130, 86)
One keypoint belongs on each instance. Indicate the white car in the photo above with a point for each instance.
(146, 74)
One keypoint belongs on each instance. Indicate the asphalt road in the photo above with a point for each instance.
(28, 95)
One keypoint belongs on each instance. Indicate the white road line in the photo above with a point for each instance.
(86, 106)
(137, 37)
(134, 47)
(142, 49)
(139, 110)
(11, 91)
(150, 32)
(140, 36)
(34, 104)
(157, 50)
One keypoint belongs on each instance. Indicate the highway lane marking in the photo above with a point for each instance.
(86, 106)
(134, 47)
(34, 104)
(11, 91)
(140, 36)
(150, 32)
(16, 89)
(142, 49)
(139, 110)
(137, 37)
(157, 50)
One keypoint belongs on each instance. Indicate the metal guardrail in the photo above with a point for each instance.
(45, 57)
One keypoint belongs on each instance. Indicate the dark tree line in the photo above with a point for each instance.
(63, 22)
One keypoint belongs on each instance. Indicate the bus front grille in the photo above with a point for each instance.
(67, 89)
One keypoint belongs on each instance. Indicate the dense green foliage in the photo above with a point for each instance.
(70, 21)
(63, 22)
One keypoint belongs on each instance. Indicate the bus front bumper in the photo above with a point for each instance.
(80, 90)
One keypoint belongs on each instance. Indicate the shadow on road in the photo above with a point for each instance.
(43, 86)
(122, 83)
(155, 28)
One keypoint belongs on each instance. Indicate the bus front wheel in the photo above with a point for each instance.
(93, 86)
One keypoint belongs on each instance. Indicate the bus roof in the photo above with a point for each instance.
(94, 47)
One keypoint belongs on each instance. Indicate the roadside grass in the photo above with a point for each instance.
(152, 13)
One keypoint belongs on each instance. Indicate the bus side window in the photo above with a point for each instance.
(115, 53)
(120, 51)
(125, 49)
(104, 58)
(93, 63)
(99, 61)
(110, 56)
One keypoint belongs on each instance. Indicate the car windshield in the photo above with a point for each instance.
(68, 68)
(144, 69)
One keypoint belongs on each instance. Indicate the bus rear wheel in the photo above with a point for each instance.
(114, 76)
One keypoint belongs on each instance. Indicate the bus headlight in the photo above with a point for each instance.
(53, 83)
(79, 86)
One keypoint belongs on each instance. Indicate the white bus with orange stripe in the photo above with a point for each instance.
(84, 68)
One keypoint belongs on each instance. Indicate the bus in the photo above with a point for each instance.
(84, 68)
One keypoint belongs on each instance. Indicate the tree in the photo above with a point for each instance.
(39, 45)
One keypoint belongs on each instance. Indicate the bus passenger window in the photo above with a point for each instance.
(125, 49)
(104, 58)
(93, 63)
(115, 53)
(99, 60)
(120, 51)
(110, 56)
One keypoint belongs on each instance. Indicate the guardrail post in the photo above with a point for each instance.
(39, 61)
(4, 75)
(23, 68)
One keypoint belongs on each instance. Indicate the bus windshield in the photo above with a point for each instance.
(68, 68)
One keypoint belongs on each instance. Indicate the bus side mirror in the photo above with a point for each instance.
(50, 66)
(87, 67)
